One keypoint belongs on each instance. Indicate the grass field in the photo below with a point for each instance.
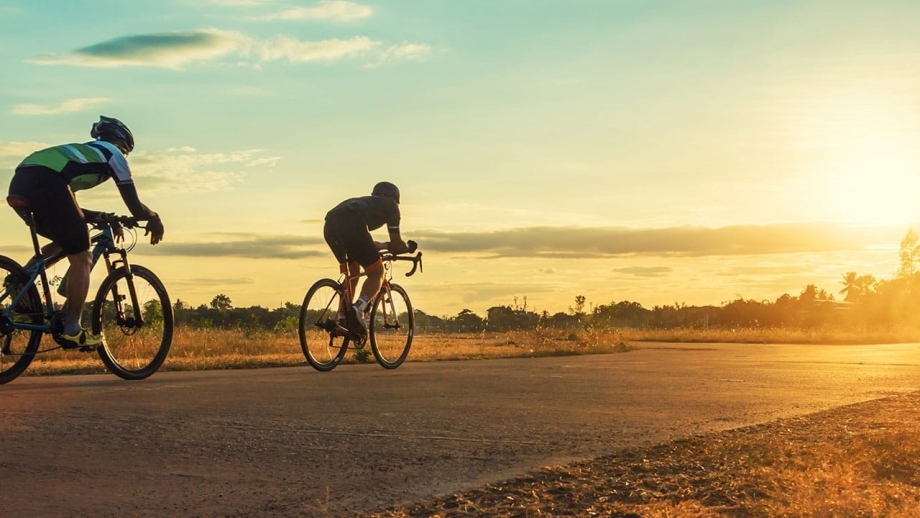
(196, 349)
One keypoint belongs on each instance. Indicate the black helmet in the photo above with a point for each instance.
(386, 189)
(109, 129)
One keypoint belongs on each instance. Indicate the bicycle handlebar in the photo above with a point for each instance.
(416, 261)
(105, 219)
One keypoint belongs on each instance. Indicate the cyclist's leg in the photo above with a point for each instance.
(334, 232)
(362, 253)
(59, 218)
(81, 264)
(372, 284)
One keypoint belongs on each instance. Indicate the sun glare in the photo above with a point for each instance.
(868, 162)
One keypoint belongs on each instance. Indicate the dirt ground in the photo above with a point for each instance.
(729, 473)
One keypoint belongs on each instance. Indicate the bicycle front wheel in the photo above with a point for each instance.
(17, 346)
(322, 345)
(392, 326)
(136, 318)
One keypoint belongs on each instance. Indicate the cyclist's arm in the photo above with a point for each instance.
(91, 215)
(142, 212)
(396, 244)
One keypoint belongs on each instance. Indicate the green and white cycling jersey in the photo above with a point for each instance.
(83, 165)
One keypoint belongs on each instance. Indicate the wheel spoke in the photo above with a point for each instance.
(391, 327)
(137, 336)
(17, 346)
(322, 345)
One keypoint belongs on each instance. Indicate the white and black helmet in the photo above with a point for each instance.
(386, 189)
(110, 129)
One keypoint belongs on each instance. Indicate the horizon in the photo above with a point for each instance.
(680, 152)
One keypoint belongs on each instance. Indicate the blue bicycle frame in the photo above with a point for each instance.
(103, 241)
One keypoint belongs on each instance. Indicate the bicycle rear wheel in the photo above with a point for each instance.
(17, 346)
(392, 326)
(323, 347)
(137, 337)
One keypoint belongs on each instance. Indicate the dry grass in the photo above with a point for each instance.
(858, 460)
(197, 349)
(515, 344)
(821, 335)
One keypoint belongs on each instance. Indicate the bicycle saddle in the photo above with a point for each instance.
(18, 202)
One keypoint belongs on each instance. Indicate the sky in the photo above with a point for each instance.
(656, 151)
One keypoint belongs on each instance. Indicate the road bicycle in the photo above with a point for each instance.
(324, 334)
(131, 309)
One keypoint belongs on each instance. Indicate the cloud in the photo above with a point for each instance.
(404, 52)
(335, 10)
(178, 169)
(296, 51)
(248, 246)
(68, 106)
(646, 271)
(215, 281)
(183, 169)
(12, 153)
(581, 242)
(175, 50)
(167, 50)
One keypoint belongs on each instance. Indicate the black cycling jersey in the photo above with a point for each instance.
(348, 225)
(373, 211)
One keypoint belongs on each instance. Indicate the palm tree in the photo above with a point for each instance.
(857, 286)
(866, 284)
(850, 286)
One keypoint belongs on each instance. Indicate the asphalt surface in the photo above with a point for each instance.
(296, 442)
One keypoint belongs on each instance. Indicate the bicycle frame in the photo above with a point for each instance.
(347, 281)
(104, 246)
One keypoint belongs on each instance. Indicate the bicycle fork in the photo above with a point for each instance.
(137, 320)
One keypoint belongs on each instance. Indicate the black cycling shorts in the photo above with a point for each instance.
(350, 241)
(58, 217)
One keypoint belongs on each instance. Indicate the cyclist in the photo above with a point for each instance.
(48, 179)
(347, 231)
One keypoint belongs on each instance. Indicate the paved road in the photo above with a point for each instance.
(295, 442)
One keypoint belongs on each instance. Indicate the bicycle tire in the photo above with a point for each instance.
(392, 326)
(18, 346)
(128, 351)
(321, 346)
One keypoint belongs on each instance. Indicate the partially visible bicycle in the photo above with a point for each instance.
(324, 335)
(131, 310)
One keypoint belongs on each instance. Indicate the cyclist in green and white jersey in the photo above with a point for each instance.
(48, 179)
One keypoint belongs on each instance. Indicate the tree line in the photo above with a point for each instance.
(866, 302)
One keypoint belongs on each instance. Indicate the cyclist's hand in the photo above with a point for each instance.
(118, 232)
(413, 246)
(155, 229)
(398, 247)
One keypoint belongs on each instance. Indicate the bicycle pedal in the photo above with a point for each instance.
(66, 345)
(89, 348)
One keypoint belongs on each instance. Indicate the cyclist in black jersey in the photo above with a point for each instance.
(347, 231)
(48, 178)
